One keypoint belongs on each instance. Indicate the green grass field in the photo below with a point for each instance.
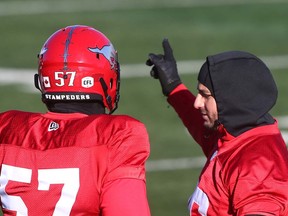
(135, 30)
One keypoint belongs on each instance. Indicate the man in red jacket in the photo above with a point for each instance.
(74, 159)
(246, 172)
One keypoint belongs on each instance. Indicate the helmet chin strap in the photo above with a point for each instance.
(107, 97)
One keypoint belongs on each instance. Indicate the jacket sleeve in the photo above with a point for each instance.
(123, 190)
(129, 149)
(182, 100)
(125, 197)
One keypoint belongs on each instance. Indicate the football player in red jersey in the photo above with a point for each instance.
(246, 172)
(76, 159)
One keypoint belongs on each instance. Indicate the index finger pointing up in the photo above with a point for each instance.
(168, 52)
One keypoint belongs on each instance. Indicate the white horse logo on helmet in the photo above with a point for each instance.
(108, 52)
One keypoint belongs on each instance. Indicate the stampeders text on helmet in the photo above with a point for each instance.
(67, 97)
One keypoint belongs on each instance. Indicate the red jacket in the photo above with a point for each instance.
(247, 174)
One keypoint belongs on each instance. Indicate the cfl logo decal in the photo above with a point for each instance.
(87, 82)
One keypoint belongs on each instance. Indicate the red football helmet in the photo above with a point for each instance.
(79, 63)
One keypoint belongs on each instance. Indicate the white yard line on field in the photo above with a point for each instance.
(186, 163)
(11, 8)
(283, 124)
(175, 164)
(25, 76)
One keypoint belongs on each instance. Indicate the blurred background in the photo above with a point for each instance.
(195, 29)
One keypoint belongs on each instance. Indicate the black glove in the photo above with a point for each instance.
(164, 68)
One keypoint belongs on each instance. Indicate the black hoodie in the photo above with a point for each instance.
(243, 88)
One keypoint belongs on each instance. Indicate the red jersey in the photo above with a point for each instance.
(247, 174)
(72, 164)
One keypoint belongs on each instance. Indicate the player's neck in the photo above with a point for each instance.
(77, 107)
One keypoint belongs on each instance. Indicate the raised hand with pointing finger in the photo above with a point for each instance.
(164, 68)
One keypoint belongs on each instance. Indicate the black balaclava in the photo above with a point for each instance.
(204, 77)
(243, 88)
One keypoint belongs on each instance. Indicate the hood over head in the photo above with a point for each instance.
(243, 88)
